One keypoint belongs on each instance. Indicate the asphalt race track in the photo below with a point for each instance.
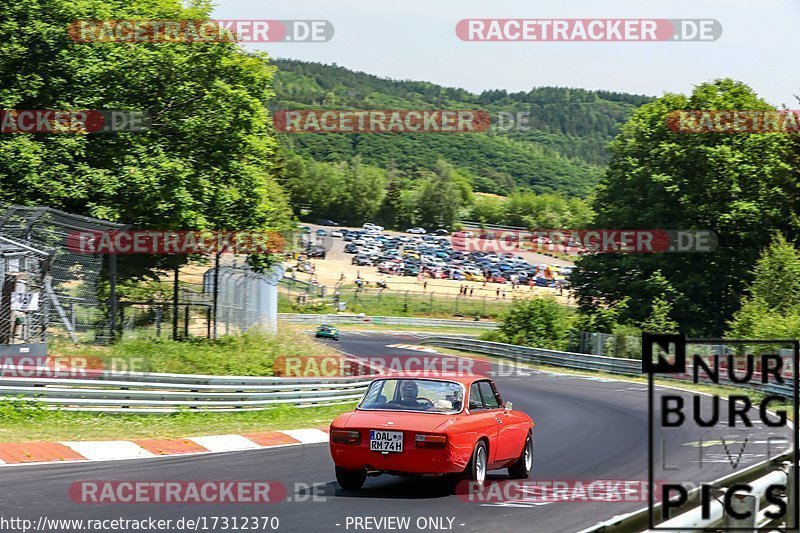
(586, 429)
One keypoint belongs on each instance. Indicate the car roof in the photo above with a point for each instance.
(465, 379)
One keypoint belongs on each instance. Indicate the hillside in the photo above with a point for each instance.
(564, 149)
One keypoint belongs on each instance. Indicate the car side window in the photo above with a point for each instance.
(490, 399)
(475, 401)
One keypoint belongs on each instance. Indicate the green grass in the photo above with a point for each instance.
(23, 421)
(249, 354)
(375, 303)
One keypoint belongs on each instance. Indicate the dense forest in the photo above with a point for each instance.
(562, 150)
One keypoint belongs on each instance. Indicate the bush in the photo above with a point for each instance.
(538, 322)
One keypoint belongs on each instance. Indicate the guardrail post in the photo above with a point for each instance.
(790, 497)
(743, 504)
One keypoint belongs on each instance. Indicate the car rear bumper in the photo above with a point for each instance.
(410, 460)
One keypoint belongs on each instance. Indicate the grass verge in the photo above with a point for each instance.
(249, 354)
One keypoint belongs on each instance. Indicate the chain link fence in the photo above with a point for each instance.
(63, 281)
(51, 287)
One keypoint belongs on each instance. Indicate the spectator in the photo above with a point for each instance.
(470, 290)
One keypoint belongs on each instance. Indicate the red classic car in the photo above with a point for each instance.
(442, 424)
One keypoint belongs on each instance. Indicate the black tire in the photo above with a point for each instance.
(473, 472)
(350, 479)
(521, 469)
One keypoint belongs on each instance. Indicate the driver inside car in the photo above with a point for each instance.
(408, 395)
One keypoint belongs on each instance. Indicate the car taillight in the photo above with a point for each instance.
(341, 436)
(430, 441)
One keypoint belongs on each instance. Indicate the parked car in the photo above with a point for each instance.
(326, 222)
(441, 232)
(327, 332)
(316, 252)
(431, 425)
(417, 231)
(336, 233)
(362, 260)
(350, 248)
(322, 233)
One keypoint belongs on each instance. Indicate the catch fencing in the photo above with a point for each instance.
(384, 320)
(36, 260)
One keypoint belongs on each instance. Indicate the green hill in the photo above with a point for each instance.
(563, 150)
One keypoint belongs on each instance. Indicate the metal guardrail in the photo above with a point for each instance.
(778, 472)
(297, 318)
(165, 393)
(578, 361)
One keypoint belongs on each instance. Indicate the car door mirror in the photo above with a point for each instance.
(509, 405)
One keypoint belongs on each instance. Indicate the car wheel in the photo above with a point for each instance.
(350, 479)
(477, 467)
(522, 468)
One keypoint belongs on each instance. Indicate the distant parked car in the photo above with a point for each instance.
(351, 248)
(305, 229)
(336, 233)
(417, 231)
(322, 233)
(362, 260)
(441, 232)
(326, 222)
(317, 252)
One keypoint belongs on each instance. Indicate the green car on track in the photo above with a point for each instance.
(328, 332)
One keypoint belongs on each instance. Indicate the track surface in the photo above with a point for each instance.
(586, 429)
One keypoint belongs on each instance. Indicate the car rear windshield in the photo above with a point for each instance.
(425, 395)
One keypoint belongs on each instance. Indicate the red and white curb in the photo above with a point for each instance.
(37, 452)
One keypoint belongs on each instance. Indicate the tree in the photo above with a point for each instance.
(740, 186)
(538, 322)
(392, 206)
(442, 194)
(772, 307)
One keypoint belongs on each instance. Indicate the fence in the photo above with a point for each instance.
(383, 320)
(36, 254)
(95, 297)
(302, 297)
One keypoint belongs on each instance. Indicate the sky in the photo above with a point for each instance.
(416, 40)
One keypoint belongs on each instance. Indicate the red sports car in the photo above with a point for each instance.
(456, 425)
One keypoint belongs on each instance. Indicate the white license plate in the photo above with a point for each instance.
(385, 441)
